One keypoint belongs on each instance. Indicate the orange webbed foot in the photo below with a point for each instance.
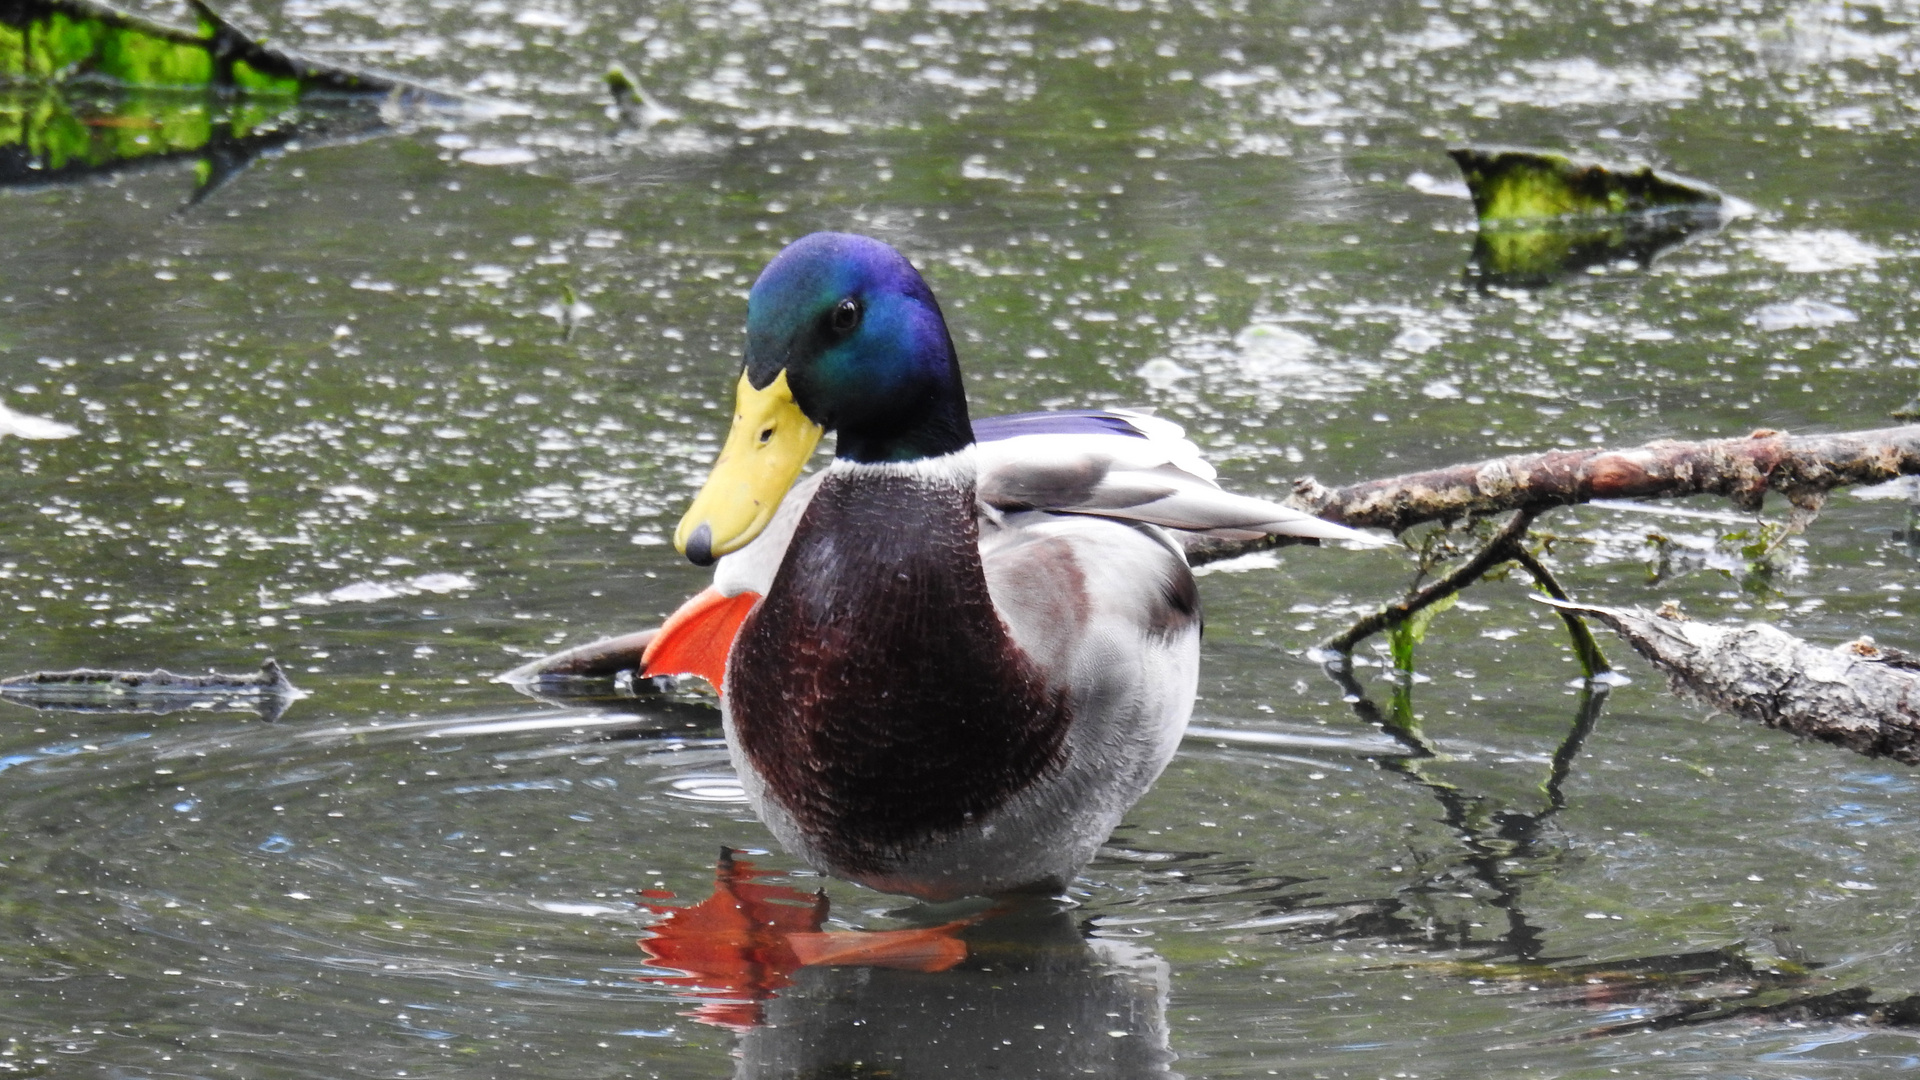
(742, 944)
(935, 948)
(696, 639)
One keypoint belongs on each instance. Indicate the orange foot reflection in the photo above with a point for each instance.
(744, 942)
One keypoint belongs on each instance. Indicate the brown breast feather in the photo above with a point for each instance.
(875, 688)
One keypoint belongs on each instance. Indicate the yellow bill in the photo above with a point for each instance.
(771, 440)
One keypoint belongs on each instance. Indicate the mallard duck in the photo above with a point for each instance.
(951, 660)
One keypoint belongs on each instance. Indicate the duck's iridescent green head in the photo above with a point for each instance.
(863, 345)
(842, 335)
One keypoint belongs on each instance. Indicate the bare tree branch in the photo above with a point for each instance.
(1497, 550)
(1799, 467)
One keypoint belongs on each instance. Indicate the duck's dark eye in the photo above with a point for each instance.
(846, 315)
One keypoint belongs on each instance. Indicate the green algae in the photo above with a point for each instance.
(47, 42)
(256, 81)
(48, 137)
(53, 42)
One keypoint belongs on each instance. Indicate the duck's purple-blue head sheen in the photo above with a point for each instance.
(864, 346)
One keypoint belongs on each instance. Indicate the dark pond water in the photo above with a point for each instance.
(405, 411)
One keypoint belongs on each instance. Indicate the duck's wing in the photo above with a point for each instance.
(1108, 614)
(1126, 465)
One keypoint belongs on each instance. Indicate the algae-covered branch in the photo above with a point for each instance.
(46, 42)
(1544, 216)
(86, 90)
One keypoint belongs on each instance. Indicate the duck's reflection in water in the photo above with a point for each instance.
(1014, 990)
(1033, 998)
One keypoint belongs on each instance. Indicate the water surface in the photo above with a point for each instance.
(406, 411)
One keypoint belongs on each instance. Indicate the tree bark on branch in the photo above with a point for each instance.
(1801, 467)
(1857, 695)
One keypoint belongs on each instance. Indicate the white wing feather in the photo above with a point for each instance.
(1160, 479)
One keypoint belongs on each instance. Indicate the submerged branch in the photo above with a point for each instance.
(266, 692)
(1593, 662)
(269, 680)
(1508, 545)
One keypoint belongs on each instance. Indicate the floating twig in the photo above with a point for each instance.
(634, 107)
(267, 692)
